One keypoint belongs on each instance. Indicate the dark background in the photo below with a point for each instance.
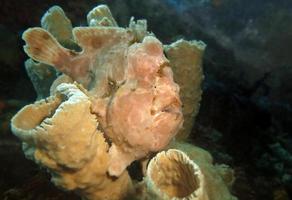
(245, 118)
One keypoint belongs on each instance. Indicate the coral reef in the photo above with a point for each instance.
(115, 103)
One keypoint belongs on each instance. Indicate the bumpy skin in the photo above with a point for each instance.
(144, 114)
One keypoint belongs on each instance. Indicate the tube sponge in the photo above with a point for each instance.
(172, 174)
(186, 62)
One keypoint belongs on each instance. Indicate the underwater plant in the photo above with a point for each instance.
(122, 98)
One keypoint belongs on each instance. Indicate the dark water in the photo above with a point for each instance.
(245, 119)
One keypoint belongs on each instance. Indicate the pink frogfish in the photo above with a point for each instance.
(128, 80)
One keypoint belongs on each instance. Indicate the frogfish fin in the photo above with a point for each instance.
(43, 47)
